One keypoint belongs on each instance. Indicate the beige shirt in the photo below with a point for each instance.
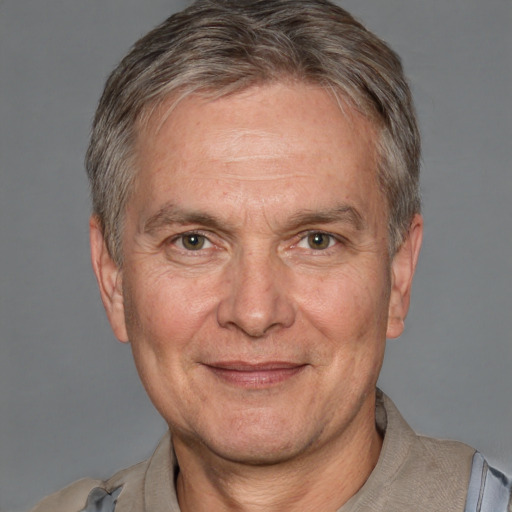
(413, 473)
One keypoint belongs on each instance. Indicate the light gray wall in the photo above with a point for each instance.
(70, 401)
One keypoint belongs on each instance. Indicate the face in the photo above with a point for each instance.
(256, 288)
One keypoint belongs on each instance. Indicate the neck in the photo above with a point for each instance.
(322, 478)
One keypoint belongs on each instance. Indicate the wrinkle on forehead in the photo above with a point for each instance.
(250, 155)
(267, 137)
(246, 144)
(238, 143)
(273, 172)
(240, 177)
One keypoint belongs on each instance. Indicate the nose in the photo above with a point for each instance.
(257, 299)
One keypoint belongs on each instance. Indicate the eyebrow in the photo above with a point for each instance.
(341, 213)
(171, 214)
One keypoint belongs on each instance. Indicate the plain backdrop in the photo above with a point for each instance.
(70, 401)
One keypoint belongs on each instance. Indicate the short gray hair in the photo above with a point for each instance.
(221, 47)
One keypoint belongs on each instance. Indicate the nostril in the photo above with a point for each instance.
(255, 317)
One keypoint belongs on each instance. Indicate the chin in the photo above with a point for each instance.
(258, 451)
(259, 440)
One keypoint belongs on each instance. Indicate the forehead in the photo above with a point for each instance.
(292, 138)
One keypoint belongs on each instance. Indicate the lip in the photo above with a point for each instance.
(255, 375)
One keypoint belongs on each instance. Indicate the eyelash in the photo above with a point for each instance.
(333, 240)
(178, 240)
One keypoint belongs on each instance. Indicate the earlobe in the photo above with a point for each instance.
(109, 277)
(402, 273)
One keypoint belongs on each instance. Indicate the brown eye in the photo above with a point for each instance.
(192, 241)
(319, 241)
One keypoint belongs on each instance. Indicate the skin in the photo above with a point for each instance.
(257, 293)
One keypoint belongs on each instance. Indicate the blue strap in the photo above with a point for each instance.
(99, 500)
(489, 489)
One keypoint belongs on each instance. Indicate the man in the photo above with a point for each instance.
(256, 225)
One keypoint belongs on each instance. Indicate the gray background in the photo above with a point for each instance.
(70, 401)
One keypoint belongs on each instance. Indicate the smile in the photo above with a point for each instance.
(255, 376)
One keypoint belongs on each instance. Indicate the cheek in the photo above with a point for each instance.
(163, 315)
(348, 306)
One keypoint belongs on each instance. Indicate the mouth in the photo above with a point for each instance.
(254, 376)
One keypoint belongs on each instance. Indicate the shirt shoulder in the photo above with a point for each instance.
(147, 485)
(88, 495)
(71, 498)
(445, 452)
(414, 472)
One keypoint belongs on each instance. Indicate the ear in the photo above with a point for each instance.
(403, 266)
(109, 278)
